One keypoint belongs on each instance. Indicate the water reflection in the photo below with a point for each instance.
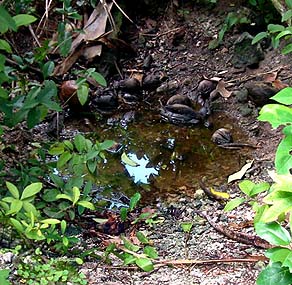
(143, 172)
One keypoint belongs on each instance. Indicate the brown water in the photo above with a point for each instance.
(172, 159)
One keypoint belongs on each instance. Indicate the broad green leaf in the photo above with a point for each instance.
(15, 207)
(259, 188)
(246, 186)
(142, 238)
(150, 251)
(47, 93)
(286, 16)
(123, 214)
(283, 159)
(48, 69)
(287, 49)
(63, 226)
(23, 19)
(275, 274)
(129, 259)
(259, 37)
(50, 221)
(82, 93)
(68, 144)
(272, 28)
(4, 274)
(273, 233)
(7, 22)
(30, 208)
(186, 226)
(91, 165)
(106, 144)
(64, 196)
(63, 159)
(289, 3)
(17, 225)
(128, 245)
(134, 201)
(282, 202)
(99, 79)
(79, 142)
(279, 254)
(79, 261)
(145, 264)
(12, 189)
(64, 40)
(31, 190)
(76, 195)
(234, 203)
(126, 160)
(86, 204)
(34, 117)
(283, 34)
(4, 45)
(284, 96)
(57, 149)
(275, 114)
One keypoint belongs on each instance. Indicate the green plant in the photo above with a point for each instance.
(279, 32)
(52, 271)
(142, 255)
(273, 220)
(4, 274)
(230, 21)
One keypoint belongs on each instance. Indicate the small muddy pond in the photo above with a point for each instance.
(170, 158)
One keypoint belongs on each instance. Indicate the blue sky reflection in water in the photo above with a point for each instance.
(142, 172)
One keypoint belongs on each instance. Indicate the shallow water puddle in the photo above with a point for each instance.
(170, 158)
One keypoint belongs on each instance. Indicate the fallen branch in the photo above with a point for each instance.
(240, 237)
(167, 262)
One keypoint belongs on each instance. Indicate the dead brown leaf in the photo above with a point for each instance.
(222, 90)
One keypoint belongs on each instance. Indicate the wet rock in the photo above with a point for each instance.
(169, 87)
(147, 62)
(222, 136)
(260, 92)
(151, 82)
(179, 99)
(246, 54)
(129, 85)
(180, 114)
(106, 102)
(130, 98)
(205, 88)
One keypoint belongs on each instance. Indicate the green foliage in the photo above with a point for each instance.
(34, 270)
(269, 222)
(130, 253)
(230, 21)
(278, 115)
(4, 273)
(278, 32)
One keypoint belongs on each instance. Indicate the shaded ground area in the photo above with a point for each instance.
(178, 43)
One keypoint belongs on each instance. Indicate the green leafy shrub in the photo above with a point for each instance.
(273, 218)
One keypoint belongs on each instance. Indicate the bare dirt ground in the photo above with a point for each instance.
(179, 47)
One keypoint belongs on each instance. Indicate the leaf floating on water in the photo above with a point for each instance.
(125, 159)
(238, 175)
(219, 195)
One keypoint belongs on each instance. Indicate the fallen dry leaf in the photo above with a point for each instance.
(93, 30)
(222, 90)
(270, 77)
(238, 175)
